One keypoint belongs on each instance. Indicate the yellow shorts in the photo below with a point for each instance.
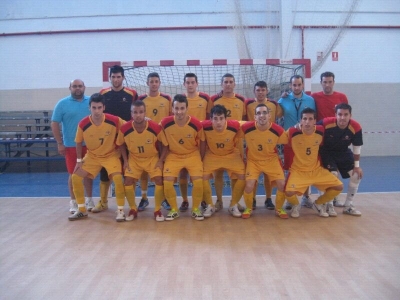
(147, 164)
(299, 181)
(174, 163)
(93, 165)
(273, 168)
(232, 163)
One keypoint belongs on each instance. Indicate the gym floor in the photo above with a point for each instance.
(45, 256)
(49, 179)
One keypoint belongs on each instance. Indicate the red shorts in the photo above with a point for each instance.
(287, 157)
(70, 157)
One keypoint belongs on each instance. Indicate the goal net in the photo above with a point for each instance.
(247, 72)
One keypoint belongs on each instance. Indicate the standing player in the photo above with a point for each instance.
(325, 102)
(327, 99)
(292, 106)
(143, 139)
(234, 103)
(306, 169)
(68, 112)
(98, 131)
(222, 154)
(261, 92)
(185, 136)
(341, 132)
(261, 137)
(198, 107)
(158, 106)
(118, 101)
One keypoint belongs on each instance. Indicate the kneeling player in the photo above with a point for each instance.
(98, 131)
(185, 136)
(261, 137)
(340, 132)
(143, 139)
(306, 169)
(222, 136)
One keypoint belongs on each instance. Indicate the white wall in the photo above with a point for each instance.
(36, 68)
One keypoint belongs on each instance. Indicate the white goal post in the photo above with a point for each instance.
(276, 72)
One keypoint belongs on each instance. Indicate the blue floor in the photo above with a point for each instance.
(381, 174)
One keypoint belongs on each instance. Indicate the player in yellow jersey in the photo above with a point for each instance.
(158, 106)
(185, 137)
(198, 103)
(262, 137)
(261, 92)
(98, 131)
(222, 136)
(143, 138)
(234, 103)
(306, 169)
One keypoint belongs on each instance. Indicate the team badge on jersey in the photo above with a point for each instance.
(161, 105)
(124, 99)
(107, 133)
(189, 136)
(148, 141)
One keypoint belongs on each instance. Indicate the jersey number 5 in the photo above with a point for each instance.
(308, 151)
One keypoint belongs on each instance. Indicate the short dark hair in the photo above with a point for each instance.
(219, 110)
(297, 77)
(181, 99)
(229, 75)
(261, 84)
(153, 74)
(116, 69)
(328, 74)
(138, 103)
(97, 98)
(342, 106)
(261, 105)
(189, 75)
(309, 110)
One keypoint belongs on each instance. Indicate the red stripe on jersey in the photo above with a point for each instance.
(233, 125)
(276, 129)
(126, 128)
(167, 122)
(195, 124)
(153, 127)
(207, 125)
(112, 120)
(249, 126)
(106, 90)
(85, 123)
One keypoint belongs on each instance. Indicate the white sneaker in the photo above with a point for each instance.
(234, 211)
(73, 207)
(350, 210)
(307, 202)
(120, 215)
(337, 202)
(89, 203)
(209, 211)
(296, 211)
(331, 210)
(320, 209)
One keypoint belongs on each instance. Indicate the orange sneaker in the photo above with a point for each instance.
(281, 213)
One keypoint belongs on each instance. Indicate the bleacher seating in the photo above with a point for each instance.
(26, 136)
